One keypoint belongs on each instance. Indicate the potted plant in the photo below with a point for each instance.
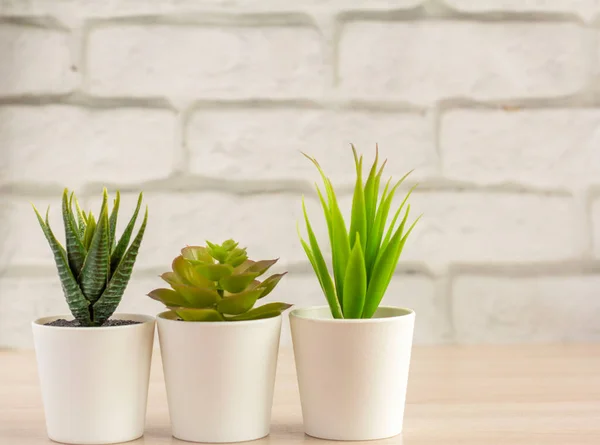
(219, 352)
(94, 368)
(352, 356)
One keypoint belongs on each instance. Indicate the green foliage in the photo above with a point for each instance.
(363, 259)
(94, 269)
(218, 283)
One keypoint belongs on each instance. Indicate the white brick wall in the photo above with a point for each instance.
(206, 104)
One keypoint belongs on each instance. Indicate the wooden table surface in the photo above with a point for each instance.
(457, 395)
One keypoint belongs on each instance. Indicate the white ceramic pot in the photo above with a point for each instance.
(219, 377)
(352, 374)
(94, 381)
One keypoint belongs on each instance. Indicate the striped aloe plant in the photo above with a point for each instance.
(363, 259)
(95, 267)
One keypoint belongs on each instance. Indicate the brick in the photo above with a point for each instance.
(476, 60)
(413, 291)
(186, 62)
(227, 143)
(71, 146)
(22, 242)
(548, 148)
(116, 8)
(585, 8)
(488, 309)
(492, 227)
(265, 223)
(596, 226)
(34, 61)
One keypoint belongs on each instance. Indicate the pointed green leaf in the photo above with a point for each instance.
(355, 282)
(75, 250)
(197, 314)
(237, 283)
(171, 278)
(187, 274)
(197, 254)
(384, 268)
(95, 272)
(358, 222)
(196, 297)
(393, 223)
(81, 220)
(121, 246)
(90, 230)
(78, 305)
(321, 267)
(371, 191)
(238, 303)
(267, 311)
(269, 284)
(108, 302)
(214, 272)
(112, 242)
(168, 297)
(258, 267)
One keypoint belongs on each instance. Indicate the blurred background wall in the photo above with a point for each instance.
(205, 105)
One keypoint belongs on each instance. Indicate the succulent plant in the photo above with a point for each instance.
(218, 283)
(95, 267)
(363, 259)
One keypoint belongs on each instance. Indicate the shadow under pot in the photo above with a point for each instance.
(219, 377)
(352, 373)
(94, 380)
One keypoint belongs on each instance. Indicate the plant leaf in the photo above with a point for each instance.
(168, 297)
(237, 283)
(383, 270)
(78, 305)
(108, 302)
(238, 303)
(355, 282)
(269, 284)
(321, 268)
(81, 220)
(196, 297)
(266, 311)
(186, 273)
(258, 267)
(393, 223)
(75, 250)
(171, 278)
(95, 272)
(121, 247)
(214, 272)
(90, 230)
(358, 222)
(112, 242)
(197, 255)
(187, 314)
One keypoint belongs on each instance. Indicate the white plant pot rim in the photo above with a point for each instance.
(394, 311)
(217, 324)
(140, 318)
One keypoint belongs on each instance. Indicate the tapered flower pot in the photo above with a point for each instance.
(352, 374)
(219, 377)
(94, 381)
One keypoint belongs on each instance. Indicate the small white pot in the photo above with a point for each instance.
(219, 377)
(352, 374)
(94, 381)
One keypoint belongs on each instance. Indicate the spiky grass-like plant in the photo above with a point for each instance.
(95, 267)
(363, 259)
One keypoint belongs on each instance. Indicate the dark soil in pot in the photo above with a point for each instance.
(61, 322)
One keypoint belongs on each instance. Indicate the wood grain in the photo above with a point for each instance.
(457, 395)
